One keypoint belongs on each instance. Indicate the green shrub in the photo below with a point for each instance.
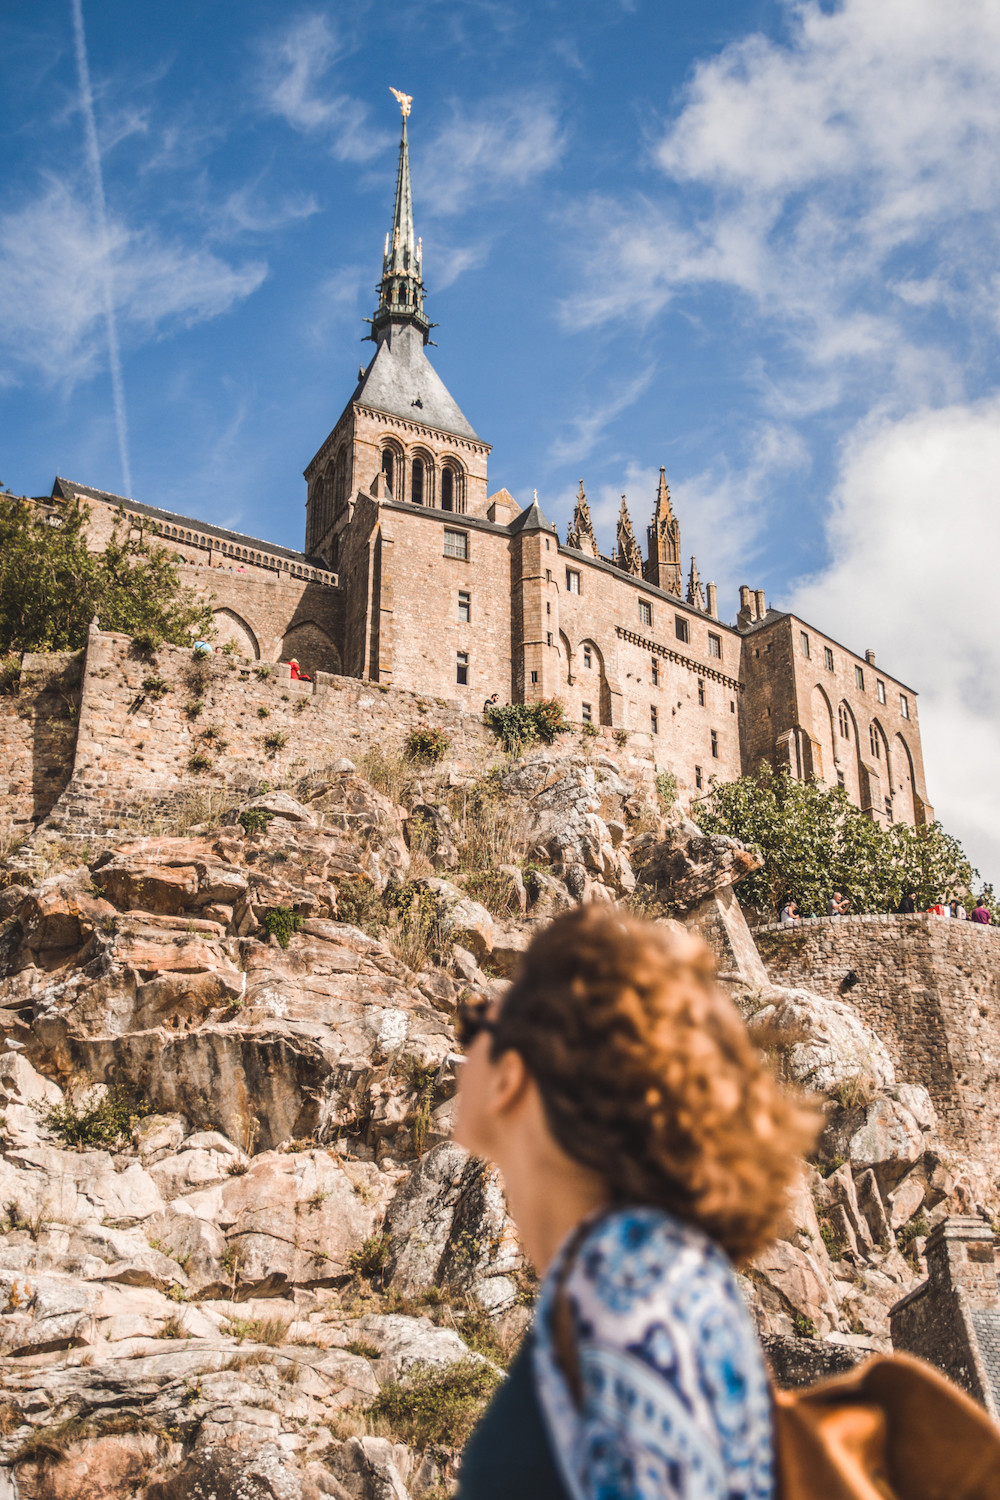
(213, 734)
(263, 673)
(10, 673)
(371, 1258)
(276, 741)
(620, 737)
(804, 1327)
(360, 905)
(263, 713)
(435, 1406)
(104, 1118)
(193, 707)
(230, 649)
(272, 1331)
(199, 762)
(427, 745)
(155, 687)
(255, 819)
(517, 725)
(281, 922)
(666, 789)
(590, 730)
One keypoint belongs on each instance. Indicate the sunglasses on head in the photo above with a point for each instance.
(471, 1020)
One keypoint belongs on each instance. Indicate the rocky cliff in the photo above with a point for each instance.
(240, 1255)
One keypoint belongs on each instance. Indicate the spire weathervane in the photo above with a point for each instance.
(401, 290)
(403, 100)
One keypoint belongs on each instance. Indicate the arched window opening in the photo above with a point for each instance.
(845, 723)
(417, 482)
(875, 742)
(340, 483)
(447, 489)
(388, 469)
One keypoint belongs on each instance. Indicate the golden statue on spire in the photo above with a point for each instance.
(403, 100)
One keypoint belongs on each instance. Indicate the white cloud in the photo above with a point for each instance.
(52, 268)
(914, 534)
(486, 151)
(844, 181)
(295, 84)
(586, 429)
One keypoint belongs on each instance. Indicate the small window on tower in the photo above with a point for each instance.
(464, 606)
(701, 694)
(904, 705)
(645, 612)
(534, 676)
(588, 713)
(875, 742)
(654, 721)
(588, 657)
(447, 489)
(880, 691)
(715, 745)
(715, 646)
(655, 667)
(456, 544)
(859, 678)
(417, 482)
(548, 607)
(804, 639)
(840, 780)
(699, 779)
(828, 658)
(548, 638)
(462, 669)
(388, 468)
(572, 581)
(844, 721)
(682, 629)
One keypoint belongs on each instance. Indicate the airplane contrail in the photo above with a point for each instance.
(100, 211)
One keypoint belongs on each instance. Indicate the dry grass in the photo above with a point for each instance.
(270, 1331)
(389, 772)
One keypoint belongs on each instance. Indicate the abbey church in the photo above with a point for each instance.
(415, 574)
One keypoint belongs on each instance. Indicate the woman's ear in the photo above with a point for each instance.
(510, 1083)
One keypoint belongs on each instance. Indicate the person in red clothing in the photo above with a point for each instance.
(297, 675)
(981, 913)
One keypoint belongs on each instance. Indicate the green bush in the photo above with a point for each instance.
(199, 762)
(371, 1258)
(263, 713)
(590, 730)
(427, 745)
(193, 707)
(10, 673)
(276, 741)
(255, 819)
(104, 1118)
(517, 725)
(281, 922)
(360, 905)
(155, 687)
(666, 790)
(620, 737)
(434, 1406)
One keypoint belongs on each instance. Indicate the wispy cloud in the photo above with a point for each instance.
(54, 269)
(585, 430)
(296, 84)
(488, 150)
(104, 265)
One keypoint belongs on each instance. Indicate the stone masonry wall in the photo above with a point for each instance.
(37, 736)
(930, 987)
(140, 724)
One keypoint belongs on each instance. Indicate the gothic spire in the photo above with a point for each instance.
(663, 562)
(581, 531)
(695, 594)
(401, 290)
(628, 557)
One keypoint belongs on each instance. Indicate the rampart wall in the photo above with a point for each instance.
(930, 987)
(37, 736)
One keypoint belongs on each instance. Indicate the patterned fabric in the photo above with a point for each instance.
(676, 1403)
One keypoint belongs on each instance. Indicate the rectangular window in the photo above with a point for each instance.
(462, 669)
(645, 612)
(732, 705)
(548, 575)
(548, 638)
(904, 705)
(572, 581)
(840, 779)
(828, 658)
(456, 543)
(548, 607)
(803, 637)
(859, 677)
(534, 676)
(654, 721)
(715, 745)
(655, 668)
(715, 646)
(682, 629)
(464, 606)
(588, 657)
(880, 691)
(888, 808)
(701, 694)
(588, 713)
(699, 779)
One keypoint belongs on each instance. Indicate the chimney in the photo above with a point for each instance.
(761, 605)
(746, 615)
(870, 657)
(713, 601)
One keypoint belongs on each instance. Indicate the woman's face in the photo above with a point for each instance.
(474, 1124)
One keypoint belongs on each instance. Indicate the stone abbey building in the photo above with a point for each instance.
(415, 574)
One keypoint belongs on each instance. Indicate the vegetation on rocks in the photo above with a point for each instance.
(814, 841)
(518, 725)
(425, 746)
(104, 1118)
(281, 922)
(51, 586)
(436, 1407)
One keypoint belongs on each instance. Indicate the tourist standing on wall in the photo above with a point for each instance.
(981, 913)
(908, 904)
(790, 915)
(644, 1147)
(838, 905)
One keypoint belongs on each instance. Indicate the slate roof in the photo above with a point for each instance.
(987, 1327)
(402, 381)
(65, 489)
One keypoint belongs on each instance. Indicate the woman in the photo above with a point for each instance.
(643, 1145)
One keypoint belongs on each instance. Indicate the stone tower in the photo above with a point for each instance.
(663, 558)
(401, 436)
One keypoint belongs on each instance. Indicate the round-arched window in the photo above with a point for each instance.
(417, 482)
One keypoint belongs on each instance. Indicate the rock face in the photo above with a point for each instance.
(233, 1216)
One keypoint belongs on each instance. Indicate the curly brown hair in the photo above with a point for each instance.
(648, 1077)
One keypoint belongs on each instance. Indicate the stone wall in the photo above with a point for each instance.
(930, 987)
(37, 736)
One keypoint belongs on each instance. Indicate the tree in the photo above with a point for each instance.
(814, 841)
(51, 586)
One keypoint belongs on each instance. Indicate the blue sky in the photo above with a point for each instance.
(756, 243)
